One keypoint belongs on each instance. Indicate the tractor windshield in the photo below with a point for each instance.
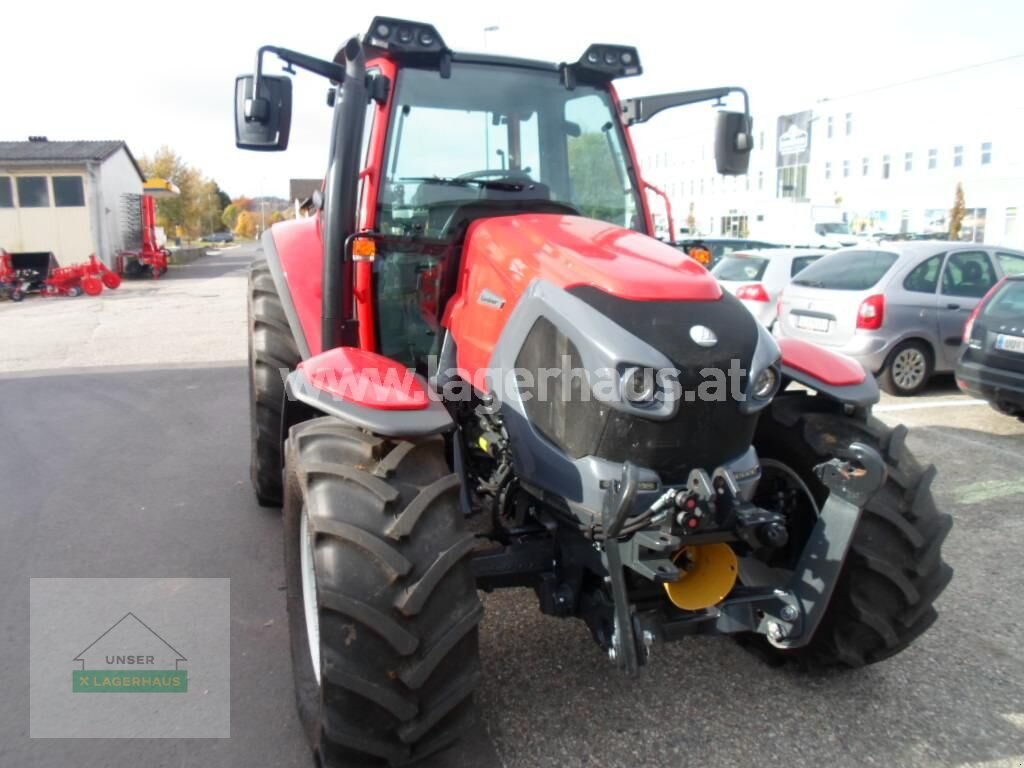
(494, 134)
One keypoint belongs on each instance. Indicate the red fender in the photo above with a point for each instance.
(368, 391)
(295, 255)
(367, 379)
(827, 372)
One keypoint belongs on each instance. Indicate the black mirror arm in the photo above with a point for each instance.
(642, 109)
(328, 69)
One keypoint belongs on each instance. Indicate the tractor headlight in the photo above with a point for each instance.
(765, 385)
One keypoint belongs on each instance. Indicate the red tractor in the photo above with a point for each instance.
(475, 367)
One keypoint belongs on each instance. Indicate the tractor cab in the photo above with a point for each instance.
(427, 141)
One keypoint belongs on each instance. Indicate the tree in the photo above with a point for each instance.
(958, 213)
(197, 209)
(247, 225)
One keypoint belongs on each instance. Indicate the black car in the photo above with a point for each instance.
(992, 363)
(710, 250)
(219, 237)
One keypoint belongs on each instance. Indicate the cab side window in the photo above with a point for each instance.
(924, 278)
(969, 274)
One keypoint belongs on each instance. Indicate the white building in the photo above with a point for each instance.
(887, 160)
(71, 198)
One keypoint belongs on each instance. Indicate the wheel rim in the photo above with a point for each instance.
(309, 592)
(908, 368)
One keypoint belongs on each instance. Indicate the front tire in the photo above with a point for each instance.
(272, 355)
(393, 613)
(894, 571)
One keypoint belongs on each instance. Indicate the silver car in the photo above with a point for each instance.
(757, 277)
(898, 308)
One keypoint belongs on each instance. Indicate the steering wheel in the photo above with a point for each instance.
(495, 173)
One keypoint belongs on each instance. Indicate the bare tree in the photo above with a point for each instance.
(958, 213)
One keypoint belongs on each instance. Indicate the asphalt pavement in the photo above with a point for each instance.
(126, 470)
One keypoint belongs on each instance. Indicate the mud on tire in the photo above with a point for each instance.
(894, 571)
(397, 605)
(271, 348)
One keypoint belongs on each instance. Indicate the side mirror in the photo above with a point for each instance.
(263, 120)
(733, 142)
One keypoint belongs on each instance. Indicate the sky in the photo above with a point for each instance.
(163, 73)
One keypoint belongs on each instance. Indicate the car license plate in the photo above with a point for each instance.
(1009, 343)
(812, 323)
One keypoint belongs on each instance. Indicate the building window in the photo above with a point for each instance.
(1011, 221)
(958, 156)
(908, 162)
(760, 179)
(760, 140)
(828, 171)
(849, 123)
(33, 192)
(6, 192)
(828, 125)
(885, 166)
(702, 186)
(865, 167)
(691, 187)
(846, 168)
(792, 182)
(68, 192)
(933, 159)
(986, 153)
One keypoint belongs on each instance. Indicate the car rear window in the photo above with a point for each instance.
(847, 270)
(1007, 304)
(800, 263)
(739, 267)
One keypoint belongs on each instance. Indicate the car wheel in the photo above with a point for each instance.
(908, 369)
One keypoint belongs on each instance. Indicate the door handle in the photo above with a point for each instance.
(952, 306)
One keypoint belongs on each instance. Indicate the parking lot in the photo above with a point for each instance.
(126, 455)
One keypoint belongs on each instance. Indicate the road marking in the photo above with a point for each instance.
(986, 490)
(965, 403)
(1003, 762)
(1016, 718)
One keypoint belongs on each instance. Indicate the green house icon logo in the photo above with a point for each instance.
(130, 657)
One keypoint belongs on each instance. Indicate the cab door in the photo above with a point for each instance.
(966, 278)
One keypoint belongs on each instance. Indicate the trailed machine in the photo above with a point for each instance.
(496, 376)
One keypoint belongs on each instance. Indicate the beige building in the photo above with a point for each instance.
(72, 198)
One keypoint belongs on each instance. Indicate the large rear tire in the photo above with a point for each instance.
(272, 355)
(382, 585)
(894, 571)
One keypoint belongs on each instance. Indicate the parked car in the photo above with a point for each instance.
(219, 237)
(757, 277)
(991, 365)
(709, 250)
(899, 308)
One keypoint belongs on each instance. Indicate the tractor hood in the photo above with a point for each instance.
(503, 256)
(571, 251)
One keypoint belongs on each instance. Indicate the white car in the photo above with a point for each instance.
(757, 277)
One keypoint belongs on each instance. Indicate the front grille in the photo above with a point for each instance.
(702, 434)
